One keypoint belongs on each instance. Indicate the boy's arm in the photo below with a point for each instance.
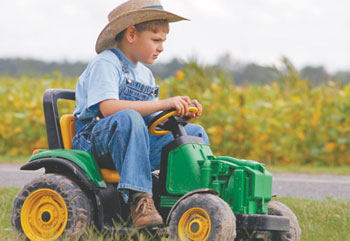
(180, 103)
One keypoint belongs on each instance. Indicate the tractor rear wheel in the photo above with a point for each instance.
(49, 207)
(202, 217)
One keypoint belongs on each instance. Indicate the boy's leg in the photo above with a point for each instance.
(124, 138)
(157, 142)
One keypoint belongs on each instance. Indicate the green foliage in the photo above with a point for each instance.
(313, 170)
(22, 126)
(286, 122)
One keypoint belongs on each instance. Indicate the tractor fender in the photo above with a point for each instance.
(202, 190)
(70, 169)
(61, 166)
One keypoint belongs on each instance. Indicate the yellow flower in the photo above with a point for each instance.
(330, 146)
(315, 117)
(18, 130)
(14, 151)
(301, 134)
(263, 137)
(180, 75)
(215, 130)
(296, 99)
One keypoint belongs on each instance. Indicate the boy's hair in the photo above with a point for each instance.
(153, 25)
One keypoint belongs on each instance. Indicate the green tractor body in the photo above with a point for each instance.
(188, 169)
(244, 185)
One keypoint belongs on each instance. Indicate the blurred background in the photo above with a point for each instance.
(273, 75)
(312, 33)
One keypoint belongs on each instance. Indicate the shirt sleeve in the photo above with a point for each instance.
(103, 83)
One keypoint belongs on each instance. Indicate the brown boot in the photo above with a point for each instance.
(143, 211)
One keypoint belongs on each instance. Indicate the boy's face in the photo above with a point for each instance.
(147, 46)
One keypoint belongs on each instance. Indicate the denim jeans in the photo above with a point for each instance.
(124, 139)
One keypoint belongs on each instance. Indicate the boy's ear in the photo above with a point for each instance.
(130, 33)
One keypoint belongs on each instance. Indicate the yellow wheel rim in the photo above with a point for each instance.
(152, 129)
(194, 224)
(44, 215)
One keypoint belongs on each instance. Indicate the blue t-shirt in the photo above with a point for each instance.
(101, 80)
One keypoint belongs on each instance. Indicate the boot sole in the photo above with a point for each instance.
(151, 225)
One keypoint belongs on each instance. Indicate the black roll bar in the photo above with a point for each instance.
(52, 119)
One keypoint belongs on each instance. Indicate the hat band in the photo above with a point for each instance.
(154, 7)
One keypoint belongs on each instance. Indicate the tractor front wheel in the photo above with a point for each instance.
(202, 217)
(294, 233)
(49, 207)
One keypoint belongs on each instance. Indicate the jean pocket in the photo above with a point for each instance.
(81, 142)
(100, 137)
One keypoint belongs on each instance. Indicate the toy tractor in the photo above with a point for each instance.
(201, 197)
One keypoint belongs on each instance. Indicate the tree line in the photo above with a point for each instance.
(241, 73)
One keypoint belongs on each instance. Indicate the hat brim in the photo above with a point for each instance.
(106, 39)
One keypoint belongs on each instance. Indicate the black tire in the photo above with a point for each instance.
(294, 233)
(207, 216)
(57, 204)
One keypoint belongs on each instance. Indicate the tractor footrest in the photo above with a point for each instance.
(262, 222)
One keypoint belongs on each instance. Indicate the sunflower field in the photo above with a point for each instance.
(285, 122)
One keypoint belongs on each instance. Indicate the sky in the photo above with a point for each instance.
(308, 32)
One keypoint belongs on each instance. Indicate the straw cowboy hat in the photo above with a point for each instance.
(130, 13)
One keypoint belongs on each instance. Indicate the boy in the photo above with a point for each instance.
(115, 97)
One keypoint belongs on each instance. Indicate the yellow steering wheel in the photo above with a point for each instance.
(158, 124)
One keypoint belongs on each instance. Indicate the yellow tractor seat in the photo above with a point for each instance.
(67, 131)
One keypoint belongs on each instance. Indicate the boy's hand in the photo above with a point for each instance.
(199, 107)
(180, 103)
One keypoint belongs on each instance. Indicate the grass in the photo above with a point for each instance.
(6, 198)
(13, 159)
(320, 170)
(325, 220)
